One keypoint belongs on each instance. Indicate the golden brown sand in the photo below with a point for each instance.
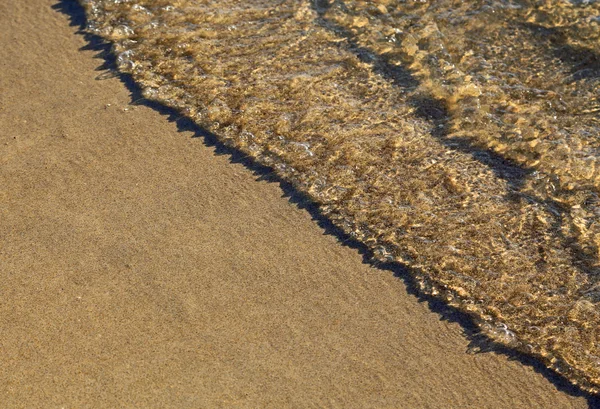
(141, 269)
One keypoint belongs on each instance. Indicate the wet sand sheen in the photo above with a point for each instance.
(140, 269)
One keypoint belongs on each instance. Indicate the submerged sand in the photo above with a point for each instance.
(142, 269)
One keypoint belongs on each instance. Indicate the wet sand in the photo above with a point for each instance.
(140, 268)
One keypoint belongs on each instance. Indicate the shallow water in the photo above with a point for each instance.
(459, 138)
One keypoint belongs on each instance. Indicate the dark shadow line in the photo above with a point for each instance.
(584, 62)
(436, 112)
(478, 342)
(426, 107)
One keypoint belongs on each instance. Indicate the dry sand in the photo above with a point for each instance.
(142, 269)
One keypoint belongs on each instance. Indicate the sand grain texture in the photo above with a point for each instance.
(140, 269)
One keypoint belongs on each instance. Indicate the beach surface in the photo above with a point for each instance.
(141, 268)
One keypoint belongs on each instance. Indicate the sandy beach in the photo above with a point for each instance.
(143, 266)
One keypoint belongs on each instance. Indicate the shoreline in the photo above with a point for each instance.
(145, 269)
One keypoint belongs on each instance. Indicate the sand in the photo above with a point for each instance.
(141, 267)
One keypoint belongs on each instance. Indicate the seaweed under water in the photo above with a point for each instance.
(457, 137)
